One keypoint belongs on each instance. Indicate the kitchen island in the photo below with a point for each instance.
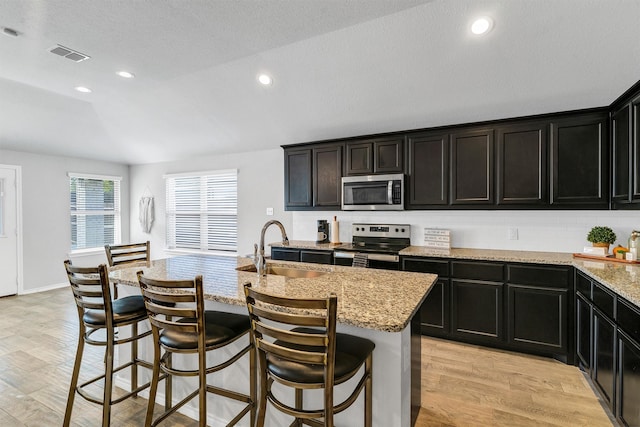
(375, 304)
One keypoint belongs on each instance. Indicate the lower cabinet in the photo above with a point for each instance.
(521, 307)
(629, 384)
(608, 347)
(285, 254)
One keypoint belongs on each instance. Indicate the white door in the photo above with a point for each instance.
(8, 232)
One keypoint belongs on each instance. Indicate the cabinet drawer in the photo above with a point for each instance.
(603, 299)
(421, 265)
(477, 271)
(285, 254)
(583, 285)
(628, 317)
(548, 277)
(318, 257)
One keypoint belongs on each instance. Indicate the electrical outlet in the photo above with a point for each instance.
(512, 233)
(269, 211)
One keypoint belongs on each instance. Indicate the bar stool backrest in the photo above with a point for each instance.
(90, 286)
(127, 254)
(187, 315)
(280, 328)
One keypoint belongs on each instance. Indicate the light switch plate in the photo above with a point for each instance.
(269, 211)
(512, 233)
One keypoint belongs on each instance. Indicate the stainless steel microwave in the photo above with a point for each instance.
(373, 192)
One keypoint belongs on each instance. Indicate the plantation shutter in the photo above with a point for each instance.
(202, 210)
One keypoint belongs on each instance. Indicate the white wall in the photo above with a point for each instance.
(555, 231)
(260, 185)
(45, 213)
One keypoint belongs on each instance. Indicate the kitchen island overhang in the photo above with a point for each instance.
(379, 305)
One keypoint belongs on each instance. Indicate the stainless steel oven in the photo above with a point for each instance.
(373, 192)
(375, 245)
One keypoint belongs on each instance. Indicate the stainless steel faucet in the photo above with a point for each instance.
(261, 263)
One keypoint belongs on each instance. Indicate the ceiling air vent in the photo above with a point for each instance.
(71, 54)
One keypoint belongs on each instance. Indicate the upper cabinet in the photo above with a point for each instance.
(579, 161)
(625, 152)
(313, 177)
(521, 164)
(472, 167)
(428, 170)
(375, 156)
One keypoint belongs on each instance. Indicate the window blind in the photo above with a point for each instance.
(95, 211)
(202, 211)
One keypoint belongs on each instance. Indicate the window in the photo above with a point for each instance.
(202, 211)
(95, 210)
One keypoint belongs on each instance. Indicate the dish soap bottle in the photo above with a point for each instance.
(335, 231)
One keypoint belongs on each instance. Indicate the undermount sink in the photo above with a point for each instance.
(284, 271)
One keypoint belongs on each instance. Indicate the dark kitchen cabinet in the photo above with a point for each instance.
(428, 171)
(285, 254)
(538, 307)
(584, 318)
(635, 149)
(579, 162)
(375, 156)
(628, 392)
(327, 176)
(472, 157)
(521, 165)
(435, 311)
(297, 178)
(604, 356)
(621, 152)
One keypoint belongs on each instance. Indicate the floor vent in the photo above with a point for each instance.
(71, 54)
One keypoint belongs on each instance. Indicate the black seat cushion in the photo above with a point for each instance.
(351, 352)
(125, 310)
(220, 327)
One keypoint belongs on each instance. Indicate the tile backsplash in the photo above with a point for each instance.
(555, 231)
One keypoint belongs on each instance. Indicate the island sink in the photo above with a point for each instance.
(284, 271)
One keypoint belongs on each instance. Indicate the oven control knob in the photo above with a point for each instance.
(396, 230)
(403, 230)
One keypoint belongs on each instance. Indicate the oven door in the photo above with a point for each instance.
(380, 261)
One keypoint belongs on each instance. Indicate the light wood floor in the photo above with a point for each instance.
(462, 385)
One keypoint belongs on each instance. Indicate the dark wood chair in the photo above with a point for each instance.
(311, 355)
(121, 255)
(99, 316)
(187, 328)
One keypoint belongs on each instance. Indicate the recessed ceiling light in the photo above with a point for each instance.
(482, 25)
(125, 74)
(265, 79)
(83, 89)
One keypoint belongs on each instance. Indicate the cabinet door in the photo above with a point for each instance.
(477, 310)
(388, 155)
(621, 151)
(359, 158)
(629, 381)
(635, 149)
(522, 164)
(428, 170)
(297, 178)
(472, 167)
(580, 162)
(327, 176)
(584, 317)
(604, 356)
(434, 313)
(537, 318)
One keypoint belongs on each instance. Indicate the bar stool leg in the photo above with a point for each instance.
(298, 405)
(253, 377)
(368, 392)
(134, 359)
(155, 375)
(108, 381)
(74, 377)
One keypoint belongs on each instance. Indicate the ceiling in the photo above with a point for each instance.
(340, 68)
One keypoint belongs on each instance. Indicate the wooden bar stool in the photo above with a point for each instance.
(309, 356)
(98, 313)
(186, 328)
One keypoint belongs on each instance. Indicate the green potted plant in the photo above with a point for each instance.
(601, 236)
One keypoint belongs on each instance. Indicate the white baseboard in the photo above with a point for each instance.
(43, 288)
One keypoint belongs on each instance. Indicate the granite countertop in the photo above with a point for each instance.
(622, 278)
(373, 299)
